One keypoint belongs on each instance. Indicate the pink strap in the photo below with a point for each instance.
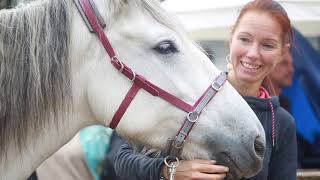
(264, 93)
(150, 87)
(124, 106)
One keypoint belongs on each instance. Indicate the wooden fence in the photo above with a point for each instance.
(308, 174)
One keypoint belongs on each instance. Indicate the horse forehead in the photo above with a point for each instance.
(140, 25)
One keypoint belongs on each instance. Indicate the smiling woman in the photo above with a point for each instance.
(260, 39)
(256, 47)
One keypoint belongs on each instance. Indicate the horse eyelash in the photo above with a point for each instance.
(172, 47)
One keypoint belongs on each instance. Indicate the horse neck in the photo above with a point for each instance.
(39, 149)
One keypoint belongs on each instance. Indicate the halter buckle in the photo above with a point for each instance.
(216, 86)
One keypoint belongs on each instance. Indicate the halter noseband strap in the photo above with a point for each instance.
(95, 23)
(175, 145)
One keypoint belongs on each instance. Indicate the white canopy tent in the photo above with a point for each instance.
(212, 19)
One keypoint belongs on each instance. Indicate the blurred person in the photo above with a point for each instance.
(282, 74)
(304, 92)
(282, 77)
(81, 158)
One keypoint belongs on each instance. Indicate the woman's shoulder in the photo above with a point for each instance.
(286, 125)
(257, 103)
(285, 119)
(260, 105)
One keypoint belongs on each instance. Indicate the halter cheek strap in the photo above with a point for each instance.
(84, 15)
(124, 106)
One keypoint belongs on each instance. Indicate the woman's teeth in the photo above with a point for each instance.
(250, 66)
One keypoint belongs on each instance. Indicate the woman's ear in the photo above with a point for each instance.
(286, 49)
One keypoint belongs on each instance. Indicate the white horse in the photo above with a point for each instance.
(56, 79)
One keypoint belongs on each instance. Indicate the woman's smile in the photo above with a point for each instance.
(250, 66)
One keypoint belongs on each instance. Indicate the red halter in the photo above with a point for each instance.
(95, 23)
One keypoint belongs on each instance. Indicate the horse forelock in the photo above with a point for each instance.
(34, 70)
(151, 7)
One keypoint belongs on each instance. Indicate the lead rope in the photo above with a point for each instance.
(273, 123)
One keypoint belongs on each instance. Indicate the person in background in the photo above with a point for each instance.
(281, 77)
(81, 158)
(305, 100)
(260, 39)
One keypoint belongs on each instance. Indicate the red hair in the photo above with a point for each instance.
(275, 10)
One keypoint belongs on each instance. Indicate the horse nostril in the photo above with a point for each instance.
(259, 147)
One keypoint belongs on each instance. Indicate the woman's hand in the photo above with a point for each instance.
(198, 169)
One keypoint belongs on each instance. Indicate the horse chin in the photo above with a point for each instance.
(234, 171)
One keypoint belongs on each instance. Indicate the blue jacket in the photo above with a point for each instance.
(280, 161)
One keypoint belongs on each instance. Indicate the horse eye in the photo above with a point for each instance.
(166, 47)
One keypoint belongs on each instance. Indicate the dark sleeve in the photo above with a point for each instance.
(283, 164)
(108, 172)
(33, 176)
(129, 165)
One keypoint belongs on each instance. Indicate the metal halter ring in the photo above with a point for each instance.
(167, 163)
(122, 66)
(216, 86)
(192, 119)
(116, 60)
(134, 75)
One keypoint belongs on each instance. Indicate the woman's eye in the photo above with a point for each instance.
(268, 46)
(245, 40)
(166, 47)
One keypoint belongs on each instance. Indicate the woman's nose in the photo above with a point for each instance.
(253, 51)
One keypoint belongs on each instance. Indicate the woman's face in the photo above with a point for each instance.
(256, 47)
